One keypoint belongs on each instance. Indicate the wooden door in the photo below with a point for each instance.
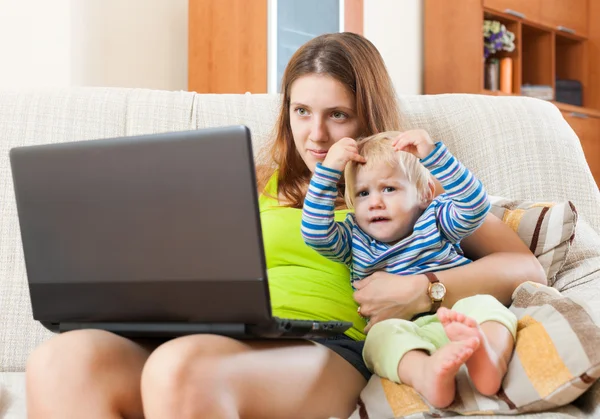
(570, 16)
(587, 129)
(525, 9)
(453, 56)
(227, 46)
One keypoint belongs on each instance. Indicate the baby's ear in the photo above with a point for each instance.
(428, 194)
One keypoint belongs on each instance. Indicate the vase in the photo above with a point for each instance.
(491, 74)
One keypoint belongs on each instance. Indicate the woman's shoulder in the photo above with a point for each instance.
(266, 177)
(267, 185)
(264, 170)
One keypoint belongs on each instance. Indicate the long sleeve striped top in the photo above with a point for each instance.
(434, 242)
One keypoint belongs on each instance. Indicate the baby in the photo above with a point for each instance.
(398, 226)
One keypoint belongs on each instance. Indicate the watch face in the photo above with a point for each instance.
(438, 291)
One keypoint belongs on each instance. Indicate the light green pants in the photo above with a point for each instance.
(389, 340)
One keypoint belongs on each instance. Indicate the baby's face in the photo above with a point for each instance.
(386, 204)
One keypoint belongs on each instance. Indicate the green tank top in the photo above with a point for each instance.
(303, 284)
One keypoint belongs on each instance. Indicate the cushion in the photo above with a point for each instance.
(554, 362)
(547, 228)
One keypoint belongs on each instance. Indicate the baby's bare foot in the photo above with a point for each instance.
(437, 383)
(485, 367)
(458, 326)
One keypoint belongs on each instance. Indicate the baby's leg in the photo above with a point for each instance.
(495, 326)
(433, 376)
(399, 350)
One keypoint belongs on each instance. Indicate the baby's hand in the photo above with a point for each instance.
(341, 153)
(416, 142)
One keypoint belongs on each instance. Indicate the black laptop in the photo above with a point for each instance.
(149, 236)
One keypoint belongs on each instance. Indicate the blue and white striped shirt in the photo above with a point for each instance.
(434, 242)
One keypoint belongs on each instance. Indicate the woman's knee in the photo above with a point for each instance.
(75, 349)
(85, 354)
(185, 377)
(73, 371)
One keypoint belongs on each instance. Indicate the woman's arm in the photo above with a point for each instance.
(501, 263)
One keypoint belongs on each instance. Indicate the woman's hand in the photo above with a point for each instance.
(383, 296)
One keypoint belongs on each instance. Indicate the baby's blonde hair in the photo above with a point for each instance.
(378, 150)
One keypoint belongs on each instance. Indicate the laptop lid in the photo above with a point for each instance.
(160, 227)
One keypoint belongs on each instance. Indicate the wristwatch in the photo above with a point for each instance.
(436, 291)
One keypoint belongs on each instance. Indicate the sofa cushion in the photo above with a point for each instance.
(554, 362)
(547, 228)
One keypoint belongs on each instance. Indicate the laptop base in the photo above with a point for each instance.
(277, 329)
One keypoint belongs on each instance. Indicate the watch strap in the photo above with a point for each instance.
(435, 304)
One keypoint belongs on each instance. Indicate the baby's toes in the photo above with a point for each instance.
(470, 322)
(442, 314)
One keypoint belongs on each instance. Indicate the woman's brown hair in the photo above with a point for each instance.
(356, 63)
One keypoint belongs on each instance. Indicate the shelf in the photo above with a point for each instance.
(498, 93)
(537, 56)
(495, 14)
(505, 17)
(514, 27)
(571, 36)
(569, 58)
(578, 109)
(562, 106)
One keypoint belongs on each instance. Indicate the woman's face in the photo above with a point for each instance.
(322, 111)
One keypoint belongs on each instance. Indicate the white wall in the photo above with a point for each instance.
(396, 29)
(34, 43)
(130, 43)
(120, 43)
(143, 43)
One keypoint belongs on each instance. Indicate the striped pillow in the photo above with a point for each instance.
(547, 228)
(554, 362)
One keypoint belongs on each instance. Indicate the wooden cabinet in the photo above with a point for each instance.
(545, 50)
(568, 16)
(587, 128)
(524, 9)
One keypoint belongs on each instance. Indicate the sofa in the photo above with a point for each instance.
(520, 148)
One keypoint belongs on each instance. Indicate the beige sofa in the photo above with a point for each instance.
(519, 148)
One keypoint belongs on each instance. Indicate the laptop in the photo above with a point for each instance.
(149, 236)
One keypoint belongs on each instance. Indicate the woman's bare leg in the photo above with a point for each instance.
(85, 374)
(218, 377)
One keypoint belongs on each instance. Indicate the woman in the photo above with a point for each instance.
(335, 86)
